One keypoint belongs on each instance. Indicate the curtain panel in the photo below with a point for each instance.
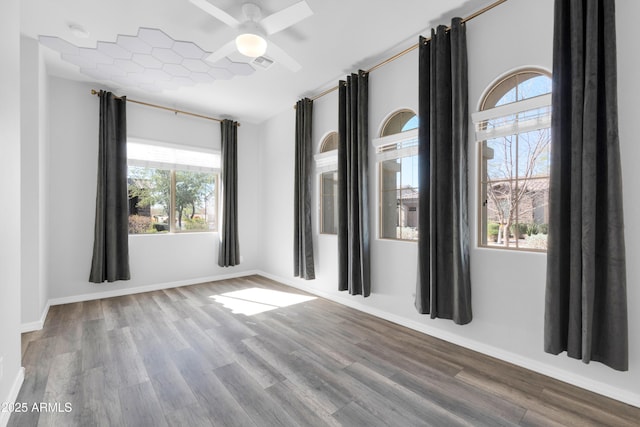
(353, 196)
(586, 302)
(444, 285)
(110, 261)
(229, 248)
(303, 238)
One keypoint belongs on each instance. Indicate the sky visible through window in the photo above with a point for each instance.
(410, 164)
(535, 86)
(412, 123)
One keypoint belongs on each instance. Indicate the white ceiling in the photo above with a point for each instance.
(340, 37)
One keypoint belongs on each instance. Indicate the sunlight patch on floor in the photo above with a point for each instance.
(257, 300)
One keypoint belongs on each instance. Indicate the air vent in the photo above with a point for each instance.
(263, 62)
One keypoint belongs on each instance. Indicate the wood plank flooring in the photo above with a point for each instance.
(178, 357)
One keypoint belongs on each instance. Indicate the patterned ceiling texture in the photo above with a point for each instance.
(150, 60)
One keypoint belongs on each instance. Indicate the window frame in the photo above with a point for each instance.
(381, 145)
(326, 161)
(482, 136)
(172, 169)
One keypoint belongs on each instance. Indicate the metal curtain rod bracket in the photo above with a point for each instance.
(173, 110)
(411, 48)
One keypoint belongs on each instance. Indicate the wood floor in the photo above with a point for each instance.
(179, 357)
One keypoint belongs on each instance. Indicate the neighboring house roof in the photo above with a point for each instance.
(408, 193)
(533, 185)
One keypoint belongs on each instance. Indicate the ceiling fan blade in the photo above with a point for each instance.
(216, 12)
(280, 56)
(286, 17)
(224, 51)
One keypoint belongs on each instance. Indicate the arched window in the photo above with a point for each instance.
(329, 143)
(327, 165)
(397, 155)
(400, 121)
(514, 136)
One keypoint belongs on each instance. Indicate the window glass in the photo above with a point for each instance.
(329, 202)
(514, 166)
(171, 189)
(412, 123)
(398, 177)
(195, 201)
(327, 163)
(149, 196)
(399, 198)
(401, 121)
(517, 87)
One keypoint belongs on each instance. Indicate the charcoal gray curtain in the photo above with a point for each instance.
(353, 200)
(586, 302)
(229, 248)
(303, 238)
(444, 286)
(110, 260)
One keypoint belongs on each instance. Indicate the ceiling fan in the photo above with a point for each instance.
(252, 32)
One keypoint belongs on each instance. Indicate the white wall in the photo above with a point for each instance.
(508, 287)
(154, 259)
(629, 127)
(276, 157)
(33, 194)
(10, 209)
(43, 202)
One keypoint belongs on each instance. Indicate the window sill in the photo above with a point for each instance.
(384, 239)
(512, 250)
(182, 233)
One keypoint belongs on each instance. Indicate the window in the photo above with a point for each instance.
(397, 155)
(326, 164)
(171, 189)
(514, 137)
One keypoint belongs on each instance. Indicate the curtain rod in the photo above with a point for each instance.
(187, 113)
(411, 48)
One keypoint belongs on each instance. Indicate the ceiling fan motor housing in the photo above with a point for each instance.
(252, 12)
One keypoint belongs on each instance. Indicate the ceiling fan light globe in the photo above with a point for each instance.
(251, 45)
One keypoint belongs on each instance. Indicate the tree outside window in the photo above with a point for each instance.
(171, 189)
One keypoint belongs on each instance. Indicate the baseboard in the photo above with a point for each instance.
(13, 395)
(148, 288)
(38, 324)
(524, 362)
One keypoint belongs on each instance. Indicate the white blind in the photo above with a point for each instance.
(517, 117)
(165, 157)
(326, 161)
(395, 146)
